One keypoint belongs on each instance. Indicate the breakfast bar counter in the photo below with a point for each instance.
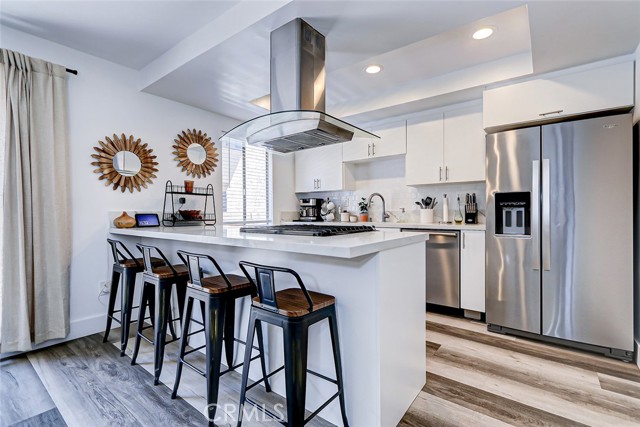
(378, 281)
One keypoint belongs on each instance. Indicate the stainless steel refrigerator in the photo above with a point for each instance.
(560, 233)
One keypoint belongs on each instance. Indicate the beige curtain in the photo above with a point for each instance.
(36, 235)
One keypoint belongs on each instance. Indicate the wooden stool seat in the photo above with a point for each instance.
(165, 272)
(292, 302)
(217, 284)
(138, 262)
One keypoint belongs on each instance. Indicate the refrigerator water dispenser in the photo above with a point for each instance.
(513, 214)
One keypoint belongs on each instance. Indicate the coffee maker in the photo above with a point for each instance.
(310, 210)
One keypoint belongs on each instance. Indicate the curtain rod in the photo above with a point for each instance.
(69, 70)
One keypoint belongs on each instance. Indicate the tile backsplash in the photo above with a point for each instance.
(386, 176)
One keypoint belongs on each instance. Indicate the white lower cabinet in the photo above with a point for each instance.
(472, 269)
(321, 169)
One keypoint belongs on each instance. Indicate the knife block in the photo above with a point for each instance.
(470, 217)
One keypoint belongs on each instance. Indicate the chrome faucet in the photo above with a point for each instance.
(385, 215)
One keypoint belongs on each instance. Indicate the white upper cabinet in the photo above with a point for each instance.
(448, 147)
(425, 150)
(594, 90)
(392, 142)
(357, 149)
(321, 169)
(465, 145)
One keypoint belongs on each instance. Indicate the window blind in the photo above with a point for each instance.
(246, 183)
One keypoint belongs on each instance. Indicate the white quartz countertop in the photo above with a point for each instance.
(345, 246)
(417, 225)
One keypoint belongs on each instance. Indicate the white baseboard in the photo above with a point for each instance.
(78, 328)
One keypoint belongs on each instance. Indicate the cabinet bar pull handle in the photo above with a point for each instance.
(368, 150)
(446, 174)
(319, 184)
(550, 112)
(440, 174)
(464, 240)
(315, 184)
(373, 151)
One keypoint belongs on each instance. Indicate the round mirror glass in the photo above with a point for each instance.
(126, 163)
(197, 154)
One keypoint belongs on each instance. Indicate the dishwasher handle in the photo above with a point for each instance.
(445, 234)
(434, 233)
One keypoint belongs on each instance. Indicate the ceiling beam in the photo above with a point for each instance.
(231, 22)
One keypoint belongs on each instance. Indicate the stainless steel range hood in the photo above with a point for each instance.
(297, 120)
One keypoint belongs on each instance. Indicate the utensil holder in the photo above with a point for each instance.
(426, 216)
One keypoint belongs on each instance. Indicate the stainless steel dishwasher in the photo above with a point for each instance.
(443, 266)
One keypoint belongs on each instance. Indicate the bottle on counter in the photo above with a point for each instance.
(458, 215)
(445, 209)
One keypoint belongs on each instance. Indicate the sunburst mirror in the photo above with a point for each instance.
(195, 153)
(124, 162)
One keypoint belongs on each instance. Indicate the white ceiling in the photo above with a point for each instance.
(215, 54)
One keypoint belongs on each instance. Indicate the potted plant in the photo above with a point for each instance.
(364, 210)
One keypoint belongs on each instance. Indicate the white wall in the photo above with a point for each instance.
(103, 100)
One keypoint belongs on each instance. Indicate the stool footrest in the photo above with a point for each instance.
(255, 347)
(324, 405)
(322, 376)
(264, 410)
(195, 368)
(196, 332)
(193, 350)
(249, 387)
(233, 368)
(197, 321)
(149, 340)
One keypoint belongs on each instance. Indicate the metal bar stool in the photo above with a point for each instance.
(294, 310)
(127, 266)
(217, 296)
(158, 282)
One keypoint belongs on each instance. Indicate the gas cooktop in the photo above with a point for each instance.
(309, 230)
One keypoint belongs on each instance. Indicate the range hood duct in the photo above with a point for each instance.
(297, 120)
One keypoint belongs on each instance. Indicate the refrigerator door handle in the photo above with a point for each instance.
(535, 214)
(546, 217)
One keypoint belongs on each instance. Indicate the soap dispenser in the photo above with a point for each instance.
(445, 209)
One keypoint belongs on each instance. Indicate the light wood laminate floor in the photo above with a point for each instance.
(479, 378)
(474, 378)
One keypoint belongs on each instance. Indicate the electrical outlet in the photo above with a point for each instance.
(182, 200)
(105, 287)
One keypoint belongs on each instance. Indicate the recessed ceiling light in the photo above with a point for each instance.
(483, 33)
(373, 69)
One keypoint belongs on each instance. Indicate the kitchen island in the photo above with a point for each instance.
(378, 280)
